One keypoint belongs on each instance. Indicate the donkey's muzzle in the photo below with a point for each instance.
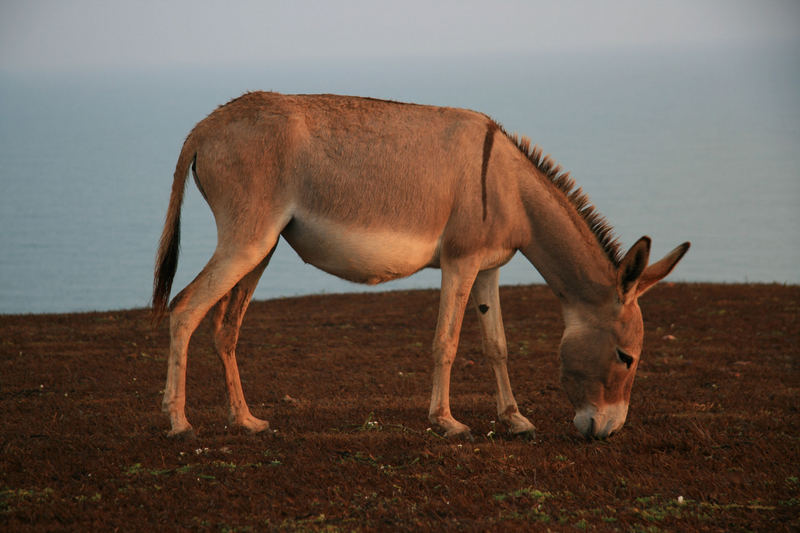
(594, 423)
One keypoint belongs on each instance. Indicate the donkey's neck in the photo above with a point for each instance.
(564, 249)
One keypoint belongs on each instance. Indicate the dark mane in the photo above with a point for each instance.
(596, 222)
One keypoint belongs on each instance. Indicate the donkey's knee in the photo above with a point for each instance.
(444, 351)
(496, 352)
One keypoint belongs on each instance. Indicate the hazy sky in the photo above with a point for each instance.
(67, 34)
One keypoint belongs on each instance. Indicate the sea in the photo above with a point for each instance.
(697, 143)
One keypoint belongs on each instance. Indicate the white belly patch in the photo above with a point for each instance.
(359, 254)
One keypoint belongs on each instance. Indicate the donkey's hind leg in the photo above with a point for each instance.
(486, 299)
(227, 320)
(224, 270)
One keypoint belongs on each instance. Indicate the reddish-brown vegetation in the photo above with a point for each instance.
(712, 440)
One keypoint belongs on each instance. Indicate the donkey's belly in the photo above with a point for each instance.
(358, 254)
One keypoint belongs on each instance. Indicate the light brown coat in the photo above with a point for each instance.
(371, 190)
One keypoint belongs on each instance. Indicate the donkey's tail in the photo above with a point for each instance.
(169, 246)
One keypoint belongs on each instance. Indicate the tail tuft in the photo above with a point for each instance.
(169, 246)
(166, 266)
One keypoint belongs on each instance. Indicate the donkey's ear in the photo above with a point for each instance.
(631, 268)
(658, 271)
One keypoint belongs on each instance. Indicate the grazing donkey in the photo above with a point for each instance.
(372, 190)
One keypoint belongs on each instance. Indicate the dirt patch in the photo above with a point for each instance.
(711, 441)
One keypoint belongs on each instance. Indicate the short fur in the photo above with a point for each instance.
(371, 190)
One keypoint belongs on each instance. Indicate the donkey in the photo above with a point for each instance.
(373, 190)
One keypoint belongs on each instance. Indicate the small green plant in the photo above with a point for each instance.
(9, 497)
(96, 497)
(527, 492)
(371, 423)
(134, 469)
(656, 509)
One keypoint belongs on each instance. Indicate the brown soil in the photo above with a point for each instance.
(712, 440)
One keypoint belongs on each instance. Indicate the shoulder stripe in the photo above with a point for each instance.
(488, 142)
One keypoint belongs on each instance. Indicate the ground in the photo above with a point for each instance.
(712, 441)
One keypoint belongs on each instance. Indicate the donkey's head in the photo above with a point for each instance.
(602, 343)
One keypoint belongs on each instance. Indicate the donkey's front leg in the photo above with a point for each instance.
(453, 299)
(486, 299)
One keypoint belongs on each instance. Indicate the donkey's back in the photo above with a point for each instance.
(358, 160)
(362, 188)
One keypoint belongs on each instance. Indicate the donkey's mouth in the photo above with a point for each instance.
(600, 424)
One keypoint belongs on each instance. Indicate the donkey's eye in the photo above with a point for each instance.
(625, 358)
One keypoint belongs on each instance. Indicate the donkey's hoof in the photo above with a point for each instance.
(460, 434)
(186, 434)
(525, 434)
(519, 426)
(260, 429)
(257, 429)
(252, 425)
